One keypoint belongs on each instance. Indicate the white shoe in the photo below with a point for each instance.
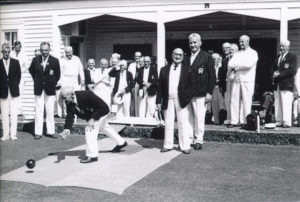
(13, 137)
(4, 138)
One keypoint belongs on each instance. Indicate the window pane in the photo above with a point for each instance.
(7, 36)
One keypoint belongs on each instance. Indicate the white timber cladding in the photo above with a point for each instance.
(37, 22)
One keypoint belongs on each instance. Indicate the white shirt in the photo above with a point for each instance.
(22, 59)
(133, 68)
(71, 68)
(6, 65)
(122, 81)
(281, 57)
(193, 56)
(174, 80)
(244, 62)
(146, 74)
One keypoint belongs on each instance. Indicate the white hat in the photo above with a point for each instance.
(118, 98)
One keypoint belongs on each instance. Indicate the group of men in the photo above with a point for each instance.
(185, 86)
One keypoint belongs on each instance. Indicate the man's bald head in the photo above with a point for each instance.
(69, 52)
(103, 63)
(244, 42)
(67, 93)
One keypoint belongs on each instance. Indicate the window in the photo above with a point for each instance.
(10, 36)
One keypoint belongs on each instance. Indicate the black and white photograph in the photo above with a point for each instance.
(138, 100)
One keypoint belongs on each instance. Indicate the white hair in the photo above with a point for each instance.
(68, 48)
(215, 55)
(123, 62)
(234, 46)
(65, 90)
(285, 42)
(195, 35)
(226, 45)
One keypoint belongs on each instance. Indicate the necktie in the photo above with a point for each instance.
(175, 67)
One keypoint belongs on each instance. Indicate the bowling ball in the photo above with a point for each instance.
(30, 163)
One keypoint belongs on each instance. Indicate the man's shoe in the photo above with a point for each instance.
(231, 126)
(36, 137)
(119, 147)
(187, 151)
(4, 138)
(198, 146)
(89, 159)
(51, 135)
(165, 150)
(286, 126)
(13, 137)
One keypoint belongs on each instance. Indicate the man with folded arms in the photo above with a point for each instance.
(88, 106)
(175, 91)
(243, 64)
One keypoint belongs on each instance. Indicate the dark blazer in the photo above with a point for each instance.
(222, 74)
(87, 76)
(152, 78)
(116, 73)
(204, 72)
(88, 106)
(45, 80)
(287, 70)
(186, 86)
(12, 80)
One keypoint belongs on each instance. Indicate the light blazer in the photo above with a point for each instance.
(152, 78)
(204, 73)
(287, 70)
(116, 73)
(45, 80)
(186, 86)
(10, 81)
(88, 106)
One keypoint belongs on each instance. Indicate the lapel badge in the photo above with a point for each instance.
(200, 70)
(286, 65)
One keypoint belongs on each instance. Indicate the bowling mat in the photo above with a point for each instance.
(113, 172)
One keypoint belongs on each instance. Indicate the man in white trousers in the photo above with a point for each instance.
(230, 75)
(147, 80)
(175, 90)
(18, 54)
(285, 68)
(94, 110)
(122, 88)
(45, 72)
(243, 64)
(10, 76)
(133, 69)
(203, 69)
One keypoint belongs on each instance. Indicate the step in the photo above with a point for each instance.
(216, 133)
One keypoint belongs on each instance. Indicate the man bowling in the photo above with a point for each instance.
(88, 106)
